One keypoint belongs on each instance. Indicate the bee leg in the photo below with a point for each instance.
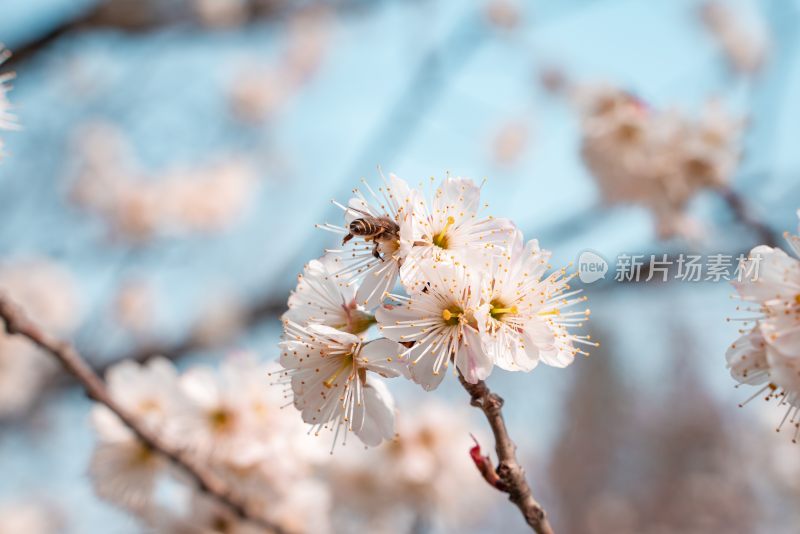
(376, 252)
(347, 238)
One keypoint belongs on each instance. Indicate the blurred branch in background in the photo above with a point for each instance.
(17, 324)
(390, 136)
(271, 307)
(145, 15)
(744, 214)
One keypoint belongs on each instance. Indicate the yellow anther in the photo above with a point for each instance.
(447, 314)
(512, 309)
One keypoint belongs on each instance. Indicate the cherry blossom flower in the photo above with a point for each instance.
(138, 204)
(768, 354)
(148, 391)
(440, 323)
(49, 296)
(656, 158)
(522, 317)
(374, 262)
(743, 38)
(747, 358)
(327, 370)
(123, 469)
(288, 509)
(134, 307)
(23, 371)
(447, 229)
(29, 517)
(509, 142)
(322, 298)
(424, 473)
(229, 412)
(226, 419)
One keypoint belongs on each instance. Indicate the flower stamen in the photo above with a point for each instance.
(448, 315)
(499, 312)
(347, 362)
(554, 311)
(440, 239)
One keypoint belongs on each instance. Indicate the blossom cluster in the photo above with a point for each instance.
(227, 420)
(261, 91)
(742, 37)
(659, 159)
(237, 429)
(768, 352)
(444, 285)
(30, 516)
(416, 478)
(137, 205)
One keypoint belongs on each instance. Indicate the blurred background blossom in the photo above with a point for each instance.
(174, 156)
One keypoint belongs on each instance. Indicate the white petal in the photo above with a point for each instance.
(747, 358)
(379, 410)
(383, 356)
(471, 359)
(200, 385)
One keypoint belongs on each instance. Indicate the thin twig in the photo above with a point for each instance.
(744, 215)
(510, 473)
(267, 308)
(18, 324)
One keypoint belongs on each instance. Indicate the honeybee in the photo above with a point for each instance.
(377, 229)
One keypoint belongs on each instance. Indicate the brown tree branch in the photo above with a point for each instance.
(745, 216)
(511, 475)
(18, 324)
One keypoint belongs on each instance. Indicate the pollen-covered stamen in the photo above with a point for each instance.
(440, 239)
(347, 363)
(497, 312)
(451, 315)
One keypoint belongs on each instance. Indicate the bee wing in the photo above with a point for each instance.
(357, 209)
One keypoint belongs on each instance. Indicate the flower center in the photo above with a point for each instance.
(440, 239)
(149, 406)
(144, 455)
(358, 321)
(451, 315)
(797, 298)
(347, 363)
(220, 419)
(628, 132)
(498, 311)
